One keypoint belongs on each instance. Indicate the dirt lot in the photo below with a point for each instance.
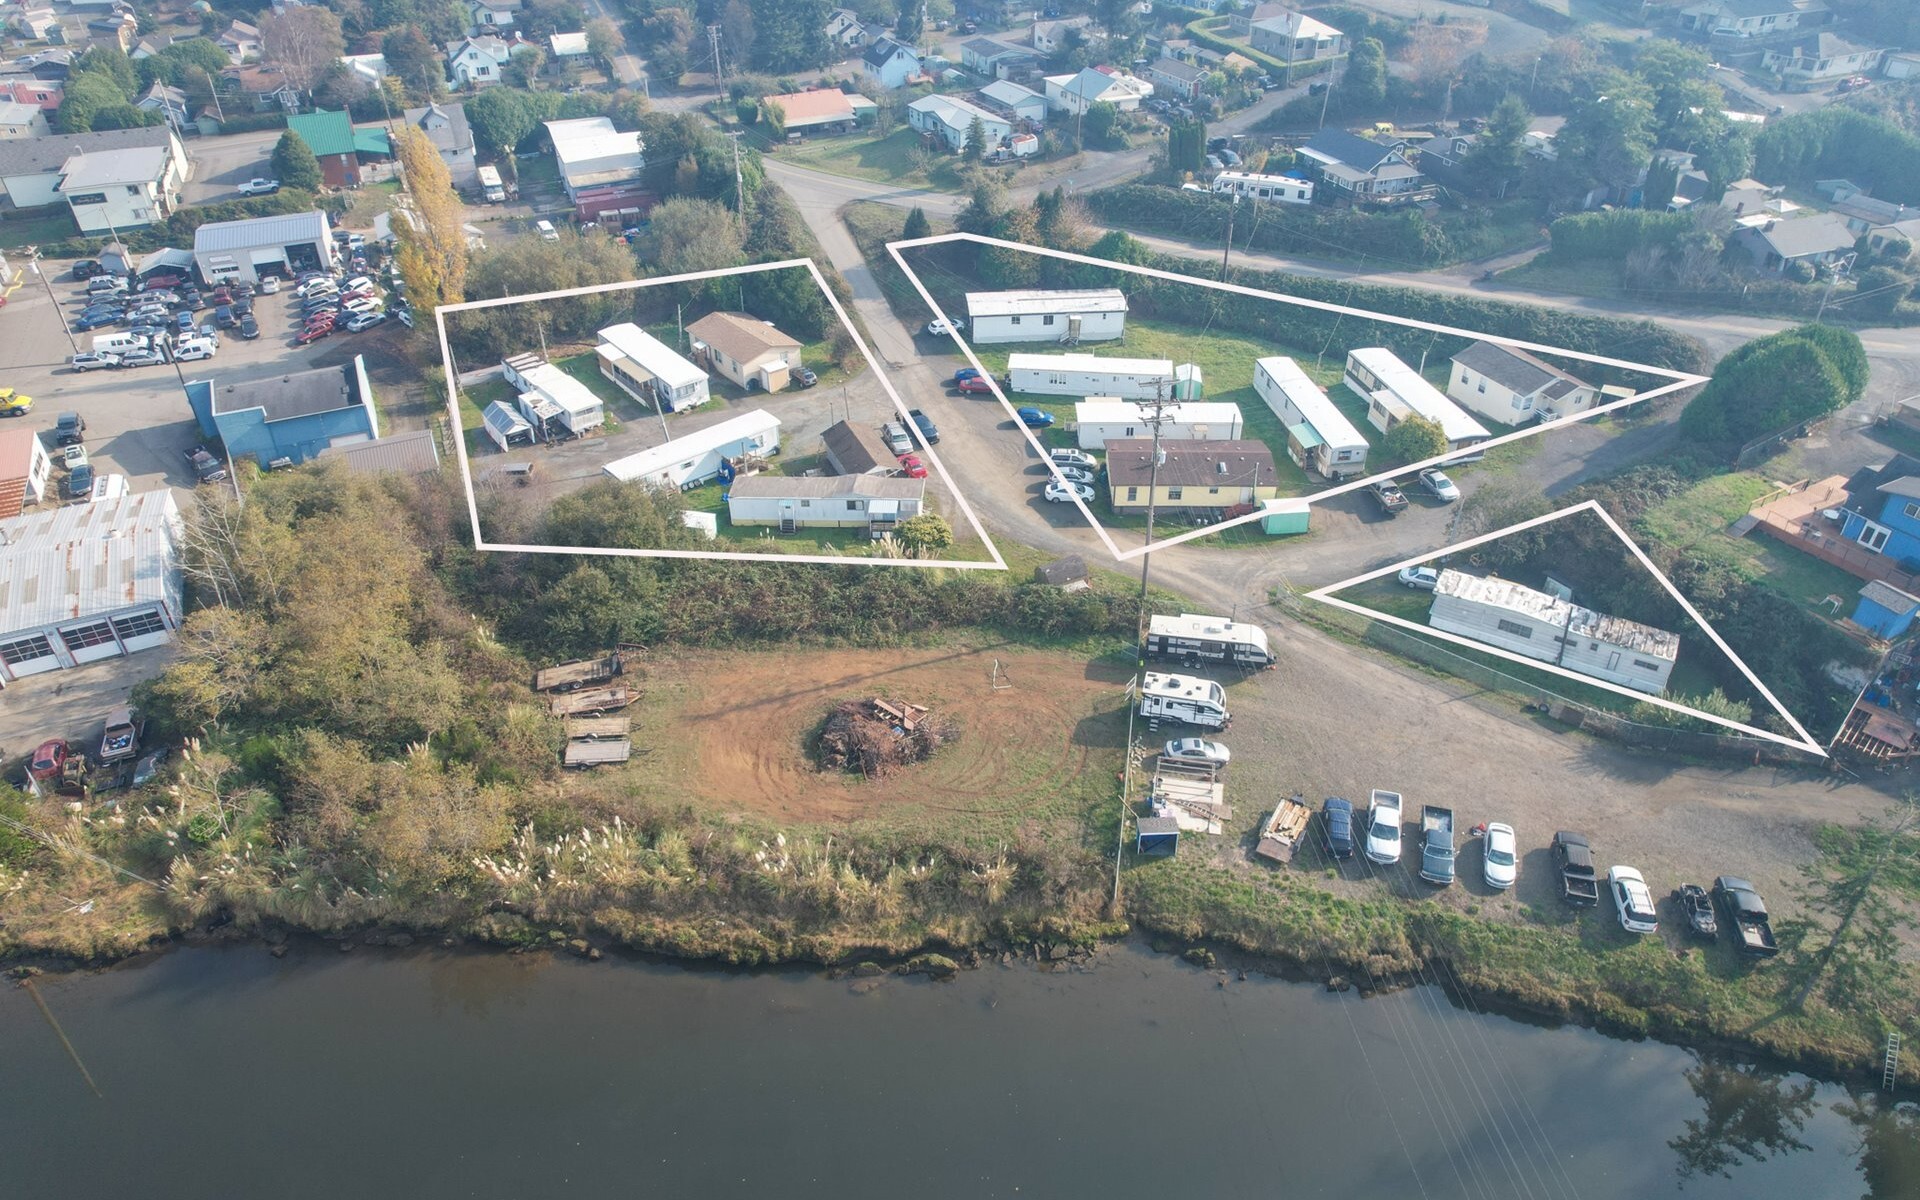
(744, 722)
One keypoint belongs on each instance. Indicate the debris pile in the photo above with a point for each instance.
(876, 737)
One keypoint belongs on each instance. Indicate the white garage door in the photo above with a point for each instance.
(90, 642)
(142, 630)
(28, 655)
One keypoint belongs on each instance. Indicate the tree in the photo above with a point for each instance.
(523, 68)
(430, 229)
(412, 59)
(303, 42)
(537, 265)
(791, 35)
(917, 225)
(112, 63)
(789, 297)
(1771, 383)
(1412, 440)
(1610, 134)
(1845, 351)
(687, 235)
(1857, 885)
(1881, 290)
(294, 164)
(501, 119)
(976, 144)
(1725, 159)
(92, 100)
(1102, 125)
(924, 533)
(1663, 179)
(1499, 148)
(909, 26)
(544, 18)
(1186, 146)
(182, 62)
(1365, 81)
(776, 118)
(604, 40)
(984, 207)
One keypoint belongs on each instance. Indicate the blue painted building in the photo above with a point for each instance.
(1885, 610)
(1884, 517)
(287, 419)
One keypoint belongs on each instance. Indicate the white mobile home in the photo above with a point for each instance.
(548, 395)
(694, 458)
(1319, 436)
(1100, 420)
(825, 501)
(1506, 384)
(1090, 375)
(1095, 315)
(1276, 189)
(1539, 626)
(1395, 391)
(649, 370)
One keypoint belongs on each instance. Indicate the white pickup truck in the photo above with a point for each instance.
(259, 187)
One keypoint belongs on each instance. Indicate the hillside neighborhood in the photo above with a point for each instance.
(1422, 497)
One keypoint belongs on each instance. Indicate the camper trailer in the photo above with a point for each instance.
(1193, 639)
(1186, 698)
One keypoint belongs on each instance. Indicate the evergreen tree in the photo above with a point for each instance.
(294, 164)
(1365, 80)
(976, 140)
(1499, 147)
(917, 225)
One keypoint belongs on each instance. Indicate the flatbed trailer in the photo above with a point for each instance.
(1284, 830)
(598, 752)
(599, 727)
(590, 700)
(586, 672)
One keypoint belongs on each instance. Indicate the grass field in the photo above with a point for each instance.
(1697, 521)
(31, 231)
(879, 160)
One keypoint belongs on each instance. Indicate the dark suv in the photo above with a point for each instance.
(928, 430)
(70, 429)
(1336, 823)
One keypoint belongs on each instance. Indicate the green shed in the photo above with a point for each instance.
(1283, 516)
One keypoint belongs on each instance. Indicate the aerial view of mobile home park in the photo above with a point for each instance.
(593, 570)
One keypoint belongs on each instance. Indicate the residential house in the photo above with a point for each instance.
(121, 189)
(892, 64)
(1863, 213)
(818, 110)
(1297, 39)
(568, 45)
(1506, 384)
(843, 29)
(445, 125)
(1751, 18)
(22, 120)
(338, 145)
(1519, 620)
(264, 85)
(26, 471)
(557, 405)
(1051, 37)
(288, 419)
(1319, 435)
(1023, 103)
(146, 48)
(1175, 80)
(952, 117)
(1819, 59)
(31, 168)
(1354, 170)
(1074, 94)
(1902, 65)
(649, 370)
(703, 454)
(495, 16)
(474, 62)
(39, 25)
(52, 66)
(241, 41)
(1816, 240)
(1882, 514)
(1199, 478)
(1905, 233)
(170, 102)
(42, 94)
(747, 350)
(857, 450)
(997, 59)
(1090, 315)
(856, 501)
(1100, 375)
(600, 168)
(1099, 421)
(119, 30)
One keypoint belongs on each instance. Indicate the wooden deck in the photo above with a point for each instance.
(1796, 517)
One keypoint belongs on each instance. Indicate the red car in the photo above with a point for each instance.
(164, 279)
(48, 758)
(973, 383)
(912, 467)
(313, 333)
(219, 296)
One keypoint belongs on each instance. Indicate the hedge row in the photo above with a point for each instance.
(1611, 236)
(1397, 239)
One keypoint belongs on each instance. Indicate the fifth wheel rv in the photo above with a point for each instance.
(1185, 698)
(1194, 639)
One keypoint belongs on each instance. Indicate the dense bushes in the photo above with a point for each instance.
(1611, 236)
(1406, 239)
(1774, 382)
(1833, 143)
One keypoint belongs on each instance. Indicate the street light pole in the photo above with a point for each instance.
(1228, 248)
(33, 261)
(1846, 264)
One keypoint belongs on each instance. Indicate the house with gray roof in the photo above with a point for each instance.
(1355, 170)
(1509, 385)
(31, 168)
(1817, 240)
(445, 125)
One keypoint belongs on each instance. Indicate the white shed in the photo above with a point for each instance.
(1100, 420)
(1090, 375)
(1536, 625)
(649, 370)
(1395, 391)
(1093, 315)
(1319, 436)
(547, 394)
(693, 458)
(824, 501)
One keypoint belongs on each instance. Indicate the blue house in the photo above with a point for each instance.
(1883, 513)
(1885, 610)
(288, 419)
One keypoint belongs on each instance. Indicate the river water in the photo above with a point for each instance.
(227, 1072)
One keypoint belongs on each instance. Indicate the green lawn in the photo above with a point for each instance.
(33, 231)
(1697, 520)
(881, 160)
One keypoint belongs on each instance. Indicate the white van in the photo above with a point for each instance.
(118, 343)
(108, 487)
(192, 349)
(547, 232)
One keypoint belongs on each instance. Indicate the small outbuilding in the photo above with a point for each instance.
(748, 351)
(505, 426)
(1156, 837)
(1069, 574)
(1885, 611)
(413, 453)
(857, 450)
(694, 458)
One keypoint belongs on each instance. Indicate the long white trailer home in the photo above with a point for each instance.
(824, 501)
(1395, 391)
(649, 370)
(550, 396)
(1277, 189)
(1319, 436)
(1092, 375)
(1099, 420)
(692, 459)
(1092, 315)
(1536, 625)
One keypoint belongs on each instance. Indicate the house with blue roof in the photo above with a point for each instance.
(287, 419)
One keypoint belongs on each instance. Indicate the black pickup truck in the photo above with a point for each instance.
(1574, 857)
(1746, 914)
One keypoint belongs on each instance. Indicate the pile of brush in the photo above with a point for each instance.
(875, 737)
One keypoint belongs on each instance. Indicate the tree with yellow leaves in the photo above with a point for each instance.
(432, 243)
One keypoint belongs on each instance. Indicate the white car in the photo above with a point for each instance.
(193, 350)
(1632, 900)
(1074, 475)
(1383, 828)
(73, 456)
(142, 358)
(1436, 484)
(317, 287)
(1074, 458)
(360, 321)
(1499, 856)
(1197, 750)
(942, 328)
(1423, 579)
(90, 362)
(1059, 492)
(546, 230)
(269, 284)
(361, 304)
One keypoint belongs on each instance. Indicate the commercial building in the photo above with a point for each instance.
(26, 470)
(87, 582)
(244, 250)
(1536, 625)
(288, 419)
(600, 168)
(1319, 436)
(1194, 478)
(556, 404)
(649, 370)
(824, 501)
(1092, 375)
(748, 351)
(1506, 384)
(31, 169)
(1091, 315)
(122, 189)
(1099, 420)
(693, 458)
(1394, 391)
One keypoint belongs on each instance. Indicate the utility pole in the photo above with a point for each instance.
(34, 262)
(1327, 95)
(1228, 248)
(713, 37)
(1159, 406)
(739, 184)
(1846, 264)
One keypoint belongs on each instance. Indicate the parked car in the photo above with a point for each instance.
(85, 321)
(1075, 475)
(14, 403)
(805, 377)
(223, 317)
(73, 456)
(1697, 906)
(1574, 857)
(929, 432)
(183, 322)
(259, 187)
(1747, 921)
(206, 468)
(1436, 484)
(912, 467)
(312, 334)
(938, 328)
(895, 435)
(1197, 750)
(973, 385)
(192, 301)
(68, 428)
(48, 759)
(249, 328)
(269, 284)
(361, 304)
(1423, 579)
(1074, 458)
(1336, 825)
(1632, 901)
(1229, 157)
(1216, 163)
(106, 285)
(142, 358)
(362, 321)
(160, 281)
(80, 482)
(965, 373)
(546, 231)
(192, 350)
(87, 268)
(357, 281)
(1063, 493)
(1388, 496)
(121, 740)
(1499, 856)
(1035, 418)
(1383, 827)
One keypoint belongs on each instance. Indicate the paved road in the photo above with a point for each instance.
(627, 69)
(221, 164)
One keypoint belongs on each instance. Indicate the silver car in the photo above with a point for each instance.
(1197, 750)
(896, 437)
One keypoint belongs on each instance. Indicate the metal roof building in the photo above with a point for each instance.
(649, 370)
(415, 453)
(226, 251)
(1499, 612)
(291, 418)
(85, 582)
(1395, 391)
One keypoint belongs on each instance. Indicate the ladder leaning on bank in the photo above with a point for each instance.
(1891, 1068)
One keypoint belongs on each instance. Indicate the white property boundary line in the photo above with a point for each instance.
(1325, 596)
(1681, 379)
(996, 563)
